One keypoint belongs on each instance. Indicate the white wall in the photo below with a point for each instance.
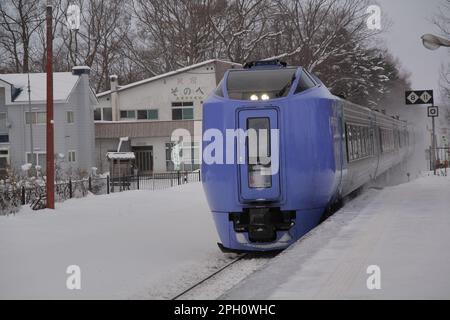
(194, 85)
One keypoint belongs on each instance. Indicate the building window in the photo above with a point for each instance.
(98, 114)
(40, 158)
(152, 114)
(71, 156)
(70, 117)
(3, 126)
(4, 160)
(149, 114)
(128, 114)
(189, 156)
(107, 114)
(169, 163)
(182, 111)
(4, 138)
(36, 117)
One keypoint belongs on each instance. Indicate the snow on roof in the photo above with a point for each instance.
(63, 84)
(168, 74)
(120, 155)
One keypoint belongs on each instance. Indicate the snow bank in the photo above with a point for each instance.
(137, 244)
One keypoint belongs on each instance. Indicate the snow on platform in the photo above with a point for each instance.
(137, 244)
(405, 230)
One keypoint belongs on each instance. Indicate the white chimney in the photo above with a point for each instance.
(114, 97)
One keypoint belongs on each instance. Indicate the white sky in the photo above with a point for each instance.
(410, 20)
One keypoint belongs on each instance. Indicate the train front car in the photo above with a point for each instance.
(272, 155)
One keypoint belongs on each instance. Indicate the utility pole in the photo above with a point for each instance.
(50, 122)
(33, 162)
(433, 145)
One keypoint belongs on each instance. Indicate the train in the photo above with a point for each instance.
(311, 149)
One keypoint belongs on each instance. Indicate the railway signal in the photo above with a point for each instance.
(419, 97)
(433, 112)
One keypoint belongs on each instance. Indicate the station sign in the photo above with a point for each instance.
(433, 112)
(419, 97)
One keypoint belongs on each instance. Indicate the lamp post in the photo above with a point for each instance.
(73, 22)
(432, 42)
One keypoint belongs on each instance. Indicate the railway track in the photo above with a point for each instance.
(212, 275)
(261, 255)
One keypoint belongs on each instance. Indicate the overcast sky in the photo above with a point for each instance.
(410, 20)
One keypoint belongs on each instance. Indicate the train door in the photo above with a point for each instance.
(260, 163)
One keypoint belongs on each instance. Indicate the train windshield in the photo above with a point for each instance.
(260, 84)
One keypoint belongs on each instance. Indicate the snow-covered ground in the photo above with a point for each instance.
(137, 244)
(404, 230)
(147, 245)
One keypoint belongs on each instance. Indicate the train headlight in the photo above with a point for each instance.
(254, 97)
(265, 97)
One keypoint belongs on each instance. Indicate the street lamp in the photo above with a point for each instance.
(73, 22)
(432, 42)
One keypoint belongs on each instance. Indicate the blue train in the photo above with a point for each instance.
(316, 149)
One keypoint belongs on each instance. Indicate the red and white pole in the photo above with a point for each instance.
(50, 122)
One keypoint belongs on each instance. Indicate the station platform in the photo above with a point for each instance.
(390, 243)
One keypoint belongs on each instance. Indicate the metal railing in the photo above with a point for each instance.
(440, 162)
(14, 195)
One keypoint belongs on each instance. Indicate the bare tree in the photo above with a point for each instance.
(19, 20)
(173, 33)
(442, 21)
(96, 44)
(242, 27)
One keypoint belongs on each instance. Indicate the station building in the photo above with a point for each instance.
(147, 112)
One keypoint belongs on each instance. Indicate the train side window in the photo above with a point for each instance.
(349, 142)
(355, 143)
(360, 142)
(371, 142)
(304, 83)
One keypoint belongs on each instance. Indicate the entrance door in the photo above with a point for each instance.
(144, 159)
(259, 175)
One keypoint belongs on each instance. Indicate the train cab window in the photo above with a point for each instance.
(258, 153)
(304, 83)
(260, 84)
(219, 90)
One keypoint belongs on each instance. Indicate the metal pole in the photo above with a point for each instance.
(33, 162)
(433, 146)
(50, 121)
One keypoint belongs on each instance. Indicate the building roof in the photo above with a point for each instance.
(168, 74)
(63, 84)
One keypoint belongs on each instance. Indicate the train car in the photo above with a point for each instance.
(266, 191)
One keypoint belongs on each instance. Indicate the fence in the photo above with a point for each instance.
(439, 159)
(12, 197)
